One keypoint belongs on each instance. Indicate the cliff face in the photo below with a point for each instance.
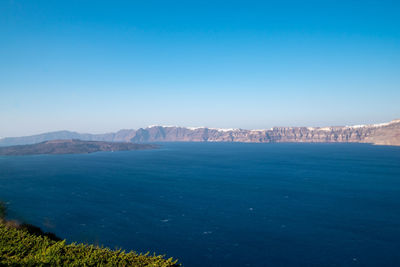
(380, 134)
(387, 135)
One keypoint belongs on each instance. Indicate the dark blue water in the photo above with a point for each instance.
(220, 204)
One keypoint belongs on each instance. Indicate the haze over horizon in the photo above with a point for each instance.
(100, 66)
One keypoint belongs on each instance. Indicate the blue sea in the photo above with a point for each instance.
(219, 204)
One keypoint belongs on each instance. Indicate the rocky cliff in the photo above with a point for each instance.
(380, 134)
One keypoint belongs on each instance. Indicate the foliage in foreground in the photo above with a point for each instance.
(20, 248)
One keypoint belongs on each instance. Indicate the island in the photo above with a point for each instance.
(71, 146)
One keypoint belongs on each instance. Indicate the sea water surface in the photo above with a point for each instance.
(219, 204)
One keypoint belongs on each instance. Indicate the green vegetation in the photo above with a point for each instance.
(27, 245)
(18, 247)
(3, 210)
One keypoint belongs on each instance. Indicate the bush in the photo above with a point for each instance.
(3, 210)
(18, 247)
(34, 230)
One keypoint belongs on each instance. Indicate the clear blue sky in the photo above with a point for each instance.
(99, 66)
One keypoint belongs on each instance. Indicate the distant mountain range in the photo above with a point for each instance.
(379, 134)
